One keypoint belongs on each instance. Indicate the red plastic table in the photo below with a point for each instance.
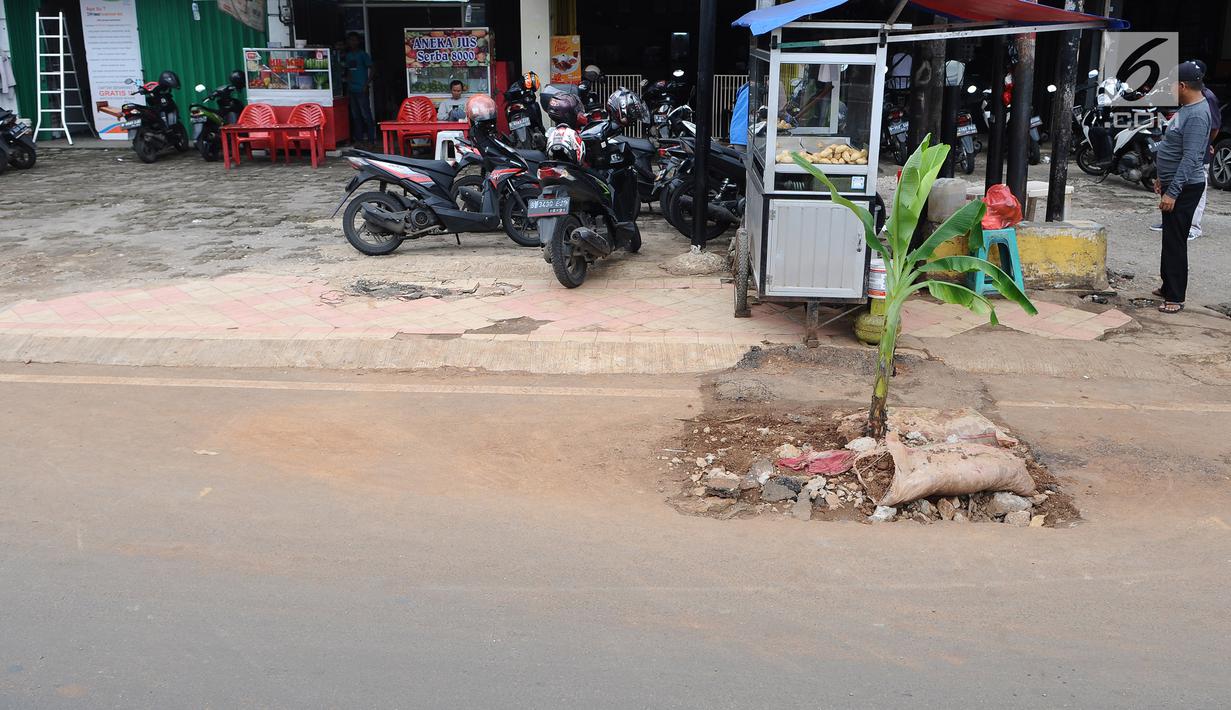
(390, 129)
(277, 132)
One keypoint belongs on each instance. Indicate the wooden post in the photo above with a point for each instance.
(1062, 118)
(705, 101)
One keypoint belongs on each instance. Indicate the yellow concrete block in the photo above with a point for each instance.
(1053, 254)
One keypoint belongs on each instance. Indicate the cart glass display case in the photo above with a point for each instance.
(823, 104)
(286, 76)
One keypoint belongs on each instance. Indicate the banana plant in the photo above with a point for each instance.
(907, 268)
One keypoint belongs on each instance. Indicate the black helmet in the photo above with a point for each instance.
(564, 109)
(237, 79)
(168, 80)
(592, 74)
(625, 108)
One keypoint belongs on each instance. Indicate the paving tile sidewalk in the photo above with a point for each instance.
(657, 310)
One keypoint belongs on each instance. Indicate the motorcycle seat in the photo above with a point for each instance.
(640, 145)
(534, 157)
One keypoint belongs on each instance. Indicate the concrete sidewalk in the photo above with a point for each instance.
(652, 325)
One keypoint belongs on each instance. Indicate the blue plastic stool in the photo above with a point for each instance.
(1005, 241)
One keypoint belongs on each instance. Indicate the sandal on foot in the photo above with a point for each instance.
(1171, 308)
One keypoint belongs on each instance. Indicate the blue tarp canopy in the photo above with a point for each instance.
(1018, 12)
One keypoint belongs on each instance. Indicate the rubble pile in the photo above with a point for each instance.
(933, 466)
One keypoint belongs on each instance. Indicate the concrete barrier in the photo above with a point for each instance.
(1055, 255)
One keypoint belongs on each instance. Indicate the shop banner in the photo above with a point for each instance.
(446, 48)
(249, 12)
(566, 59)
(113, 52)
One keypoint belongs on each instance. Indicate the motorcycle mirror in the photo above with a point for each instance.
(971, 89)
(1051, 88)
(677, 73)
(1093, 74)
(200, 88)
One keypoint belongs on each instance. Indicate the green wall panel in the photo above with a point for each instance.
(201, 51)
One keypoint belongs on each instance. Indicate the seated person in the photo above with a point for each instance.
(454, 107)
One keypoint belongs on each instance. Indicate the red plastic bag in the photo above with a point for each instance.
(1003, 209)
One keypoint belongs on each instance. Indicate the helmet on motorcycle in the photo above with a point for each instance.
(565, 109)
(530, 80)
(592, 73)
(625, 108)
(481, 109)
(237, 79)
(168, 80)
(563, 143)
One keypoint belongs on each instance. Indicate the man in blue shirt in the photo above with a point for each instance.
(739, 118)
(359, 72)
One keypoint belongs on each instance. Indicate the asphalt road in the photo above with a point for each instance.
(177, 539)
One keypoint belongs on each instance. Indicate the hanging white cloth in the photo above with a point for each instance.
(7, 80)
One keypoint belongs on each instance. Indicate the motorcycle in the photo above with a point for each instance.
(1135, 139)
(1034, 150)
(524, 116)
(156, 122)
(897, 131)
(670, 114)
(512, 171)
(16, 143)
(965, 149)
(726, 182)
(207, 122)
(585, 213)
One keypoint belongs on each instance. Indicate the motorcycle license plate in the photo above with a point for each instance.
(22, 129)
(898, 127)
(966, 131)
(660, 119)
(1036, 122)
(197, 119)
(547, 207)
(517, 123)
(135, 123)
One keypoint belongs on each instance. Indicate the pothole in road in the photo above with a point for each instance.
(802, 464)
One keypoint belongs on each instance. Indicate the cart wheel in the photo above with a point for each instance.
(743, 273)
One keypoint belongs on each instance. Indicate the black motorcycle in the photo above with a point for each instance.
(667, 100)
(524, 116)
(16, 143)
(207, 121)
(155, 125)
(726, 180)
(585, 213)
(378, 221)
(965, 147)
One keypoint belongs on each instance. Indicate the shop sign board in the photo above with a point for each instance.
(113, 52)
(566, 59)
(436, 57)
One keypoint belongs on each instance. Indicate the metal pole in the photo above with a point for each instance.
(1062, 119)
(995, 126)
(704, 114)
(948, 120)
(1019, 121)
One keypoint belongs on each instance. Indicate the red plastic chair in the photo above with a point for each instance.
(416, 109)
(256, 116)
(313, 140)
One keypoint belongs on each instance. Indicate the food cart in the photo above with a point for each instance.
(817, 88)
(284, 77)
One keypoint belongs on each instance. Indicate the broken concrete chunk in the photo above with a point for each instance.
(788, 451)
(1003, 503)
(1018, 518)
(863, 443)
(1038, 521)
(779, 488)
(883, 514)
(802, 508)
(721, 483)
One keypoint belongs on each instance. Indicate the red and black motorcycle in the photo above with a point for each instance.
(155, 124)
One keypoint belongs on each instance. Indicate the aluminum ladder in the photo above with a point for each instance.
(57, 78)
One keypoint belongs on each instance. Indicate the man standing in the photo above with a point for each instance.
(1215, 128)
(453, 108)
(1181, 182)
(359, 72)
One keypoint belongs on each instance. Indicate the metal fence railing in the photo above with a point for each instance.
(726, 86)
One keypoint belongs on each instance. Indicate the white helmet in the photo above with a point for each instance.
(563, 143)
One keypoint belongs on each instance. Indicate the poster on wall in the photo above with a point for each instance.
(565, 59)
(113, 52)
(249, 12)
(437, 57)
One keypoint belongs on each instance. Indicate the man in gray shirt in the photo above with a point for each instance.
(1181, 182)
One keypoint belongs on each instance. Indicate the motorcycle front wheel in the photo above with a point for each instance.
(682, 215)
(568, 262)
(1086, 160)
(22, 157)
(179, 138)
(361, 235)
(144, 150)
(517, 225)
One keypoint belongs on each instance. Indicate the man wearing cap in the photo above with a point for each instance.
(1215, 127)
(1181, 182)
